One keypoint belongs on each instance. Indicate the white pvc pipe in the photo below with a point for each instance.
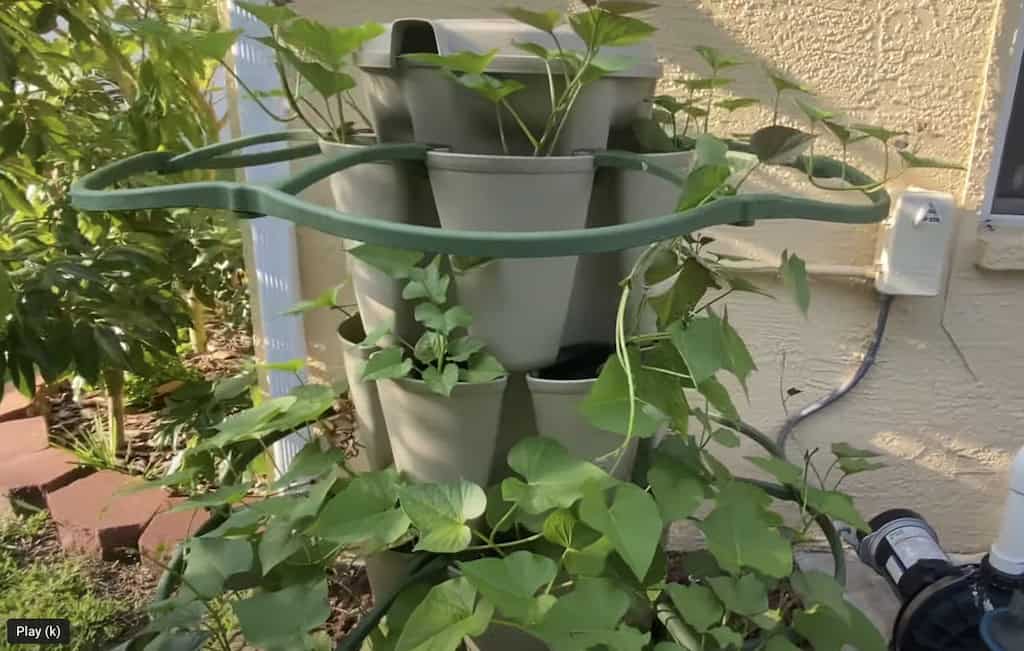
(275, 251)
(1007, 553)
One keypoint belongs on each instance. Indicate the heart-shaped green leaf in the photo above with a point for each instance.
(450, 612)
(553, 479)
(631, 521)
(440, 513)
(511, 583)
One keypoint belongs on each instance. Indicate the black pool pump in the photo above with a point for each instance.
(943, 603)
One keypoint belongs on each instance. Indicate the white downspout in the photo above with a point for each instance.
(1007, 553)
(274, 249)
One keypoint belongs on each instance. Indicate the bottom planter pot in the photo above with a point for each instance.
(371, 430)
(386, 570)
(505, 638)
(557, 393)
(439, 439)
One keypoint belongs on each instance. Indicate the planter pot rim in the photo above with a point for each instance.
(499, 164)
(357, 140)
(419, 386)
(541, 385)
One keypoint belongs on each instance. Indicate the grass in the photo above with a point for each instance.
(44, 583)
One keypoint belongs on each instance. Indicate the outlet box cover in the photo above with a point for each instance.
(913, 246)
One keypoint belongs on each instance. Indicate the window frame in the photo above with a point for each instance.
(990, 217)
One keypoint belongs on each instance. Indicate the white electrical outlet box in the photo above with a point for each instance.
(913, 246)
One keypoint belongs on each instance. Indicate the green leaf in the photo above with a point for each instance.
(841, 133)
(710, 150)
(365, 513)
(291, 366)
(702, 184)
(678, 492)
(462, 263)
(450, 612)
(8, 298)
(726, 438)
(626, 6)
(726, 638)
(325, 81)
(589, 560)
(440, 513)
(386, 364)
(878, 133)
(794, 276)
(490, 88)
(820, 589)
(249, 424)
(219, 497)
(396, 263)
(702, 345)
(740, 362)
(212, 563)
(589, 616)
(780, 643)
(559, 527)
(428, 283)
(602, 29)
(706, 83)
(177, 641)
(311, 462)
(697, 604)
(827, 631)
(814, 113)
(744, 596)
(213, 45)
(536, 50)
(847, 451)
(631, 522)
(329, 298)
(330, 46)
(664, 264)
(858, 466)
(483, 368)
(553, 479)
(441, 382)
(779, 145)
(785, 472)
(430, 346)
(691, 285)
(671, 104)
(919, 162)
(606, 407)
(715, 58)
(740, 535)
(652, 137)
(737, 103)
(511, 583)
(461, 349)
(836, 505)
(278, 542)
(270, 15)
(270, 619)
(432, 317)
(468, 62)
(782, 84)
(546, 21)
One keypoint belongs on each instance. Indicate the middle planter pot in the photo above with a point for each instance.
(439, 439)
(519, 306)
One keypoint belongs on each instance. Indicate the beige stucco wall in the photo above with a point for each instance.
(946, 399)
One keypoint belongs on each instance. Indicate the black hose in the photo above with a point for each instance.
(884, 305)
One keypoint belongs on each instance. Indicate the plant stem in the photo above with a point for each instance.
(352, 104)
(197, 333)
(499, 546)
(522, 125)
(253, 96)
(113, 379)
(501, 129)
(775, 113)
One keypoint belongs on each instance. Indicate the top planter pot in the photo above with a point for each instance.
(416, 102)
(519, 307)
(620, 197)
(396, 191)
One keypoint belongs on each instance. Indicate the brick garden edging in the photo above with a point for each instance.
(93, 513)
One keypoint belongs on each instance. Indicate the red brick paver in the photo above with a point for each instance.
(13, 405)
(23, 436)
(166, 530)
(93, 517)
(30, 478)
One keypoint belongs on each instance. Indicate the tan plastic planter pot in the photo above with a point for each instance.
(371, 431)
(386, 571)
(408, 101)
(519, 307)
(619, 197)
(391, 191)
(505, 638)
(440, 439)
(556, 404)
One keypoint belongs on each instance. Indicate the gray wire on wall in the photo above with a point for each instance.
(870, 355)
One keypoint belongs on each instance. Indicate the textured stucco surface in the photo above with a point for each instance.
(946, 399)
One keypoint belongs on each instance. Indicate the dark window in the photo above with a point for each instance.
(1009, 199)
